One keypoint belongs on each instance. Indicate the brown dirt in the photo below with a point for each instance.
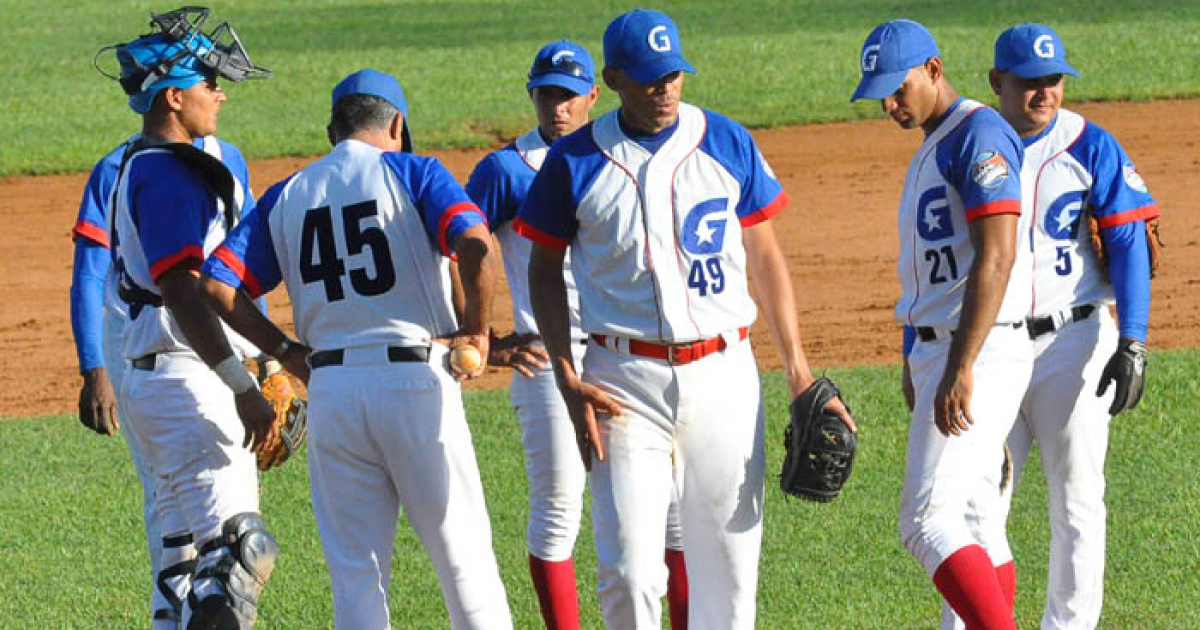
(838, 235)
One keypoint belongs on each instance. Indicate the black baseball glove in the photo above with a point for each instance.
(1126, 370)
(820, 447)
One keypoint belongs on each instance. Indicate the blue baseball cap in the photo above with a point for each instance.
(564, 64)
(155, 62)
(1031, 51)
(891, 50)
(644, 43)
(372, 82)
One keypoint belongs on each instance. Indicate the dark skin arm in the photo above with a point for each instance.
(98, 403)
(548, 295)
(477, 275)
(994, 239)
(183, 297)
(242, 314)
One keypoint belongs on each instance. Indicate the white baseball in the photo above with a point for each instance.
(466, 359)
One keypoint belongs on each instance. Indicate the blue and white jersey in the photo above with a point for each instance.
(499, 184)
(362, 239)
(656, 239)
(968, 168)
(93, 220)
(1073, 168)
(166, 215)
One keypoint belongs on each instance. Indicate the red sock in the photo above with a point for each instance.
(677, 589)
(556, 592)
(969, 583)
(1007, 574)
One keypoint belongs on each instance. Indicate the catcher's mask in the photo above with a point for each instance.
(178, 54)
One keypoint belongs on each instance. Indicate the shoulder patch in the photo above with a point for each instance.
(1133, 178)
(762, 161)
(989, 169)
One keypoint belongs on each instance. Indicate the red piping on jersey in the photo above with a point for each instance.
(771, 209)
(1145, 213)
(448, 215)
(645, 231)
(235, 264)
(1003, 206)
(1037, 189)
(192, 253)
(91, 232)
(537, 236)
(687, 297)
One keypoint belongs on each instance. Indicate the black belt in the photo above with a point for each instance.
(1039, 326)
(395, 354)
(145, 362)
(929, 333)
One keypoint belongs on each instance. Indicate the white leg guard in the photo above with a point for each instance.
(174, 580)
(232, 571)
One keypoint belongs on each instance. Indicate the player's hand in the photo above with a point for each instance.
(295, 360)
(98, 403)
(480, 343)
(519, 352)
(906, 387)
(799, 383)
(584, 401)
(952, 403)
(1126, 369)
(257, 417)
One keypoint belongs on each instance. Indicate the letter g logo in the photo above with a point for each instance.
(1044, 47)
(870, 56)
(659, 39)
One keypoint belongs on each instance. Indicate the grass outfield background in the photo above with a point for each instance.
(838, 565)
(463, 63)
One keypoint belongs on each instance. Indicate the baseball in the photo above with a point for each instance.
(465, 359)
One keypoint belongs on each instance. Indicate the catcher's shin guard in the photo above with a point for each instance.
(232, 571)
(173, 582)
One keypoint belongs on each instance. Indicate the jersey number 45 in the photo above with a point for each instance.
(321, 262)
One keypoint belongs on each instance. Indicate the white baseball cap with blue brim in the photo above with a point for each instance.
(564, 64)
(644, 43)
(1031, 51)
(891, 50)
(372, 82)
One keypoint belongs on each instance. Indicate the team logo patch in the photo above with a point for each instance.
(989, 170)
(933, 215)
(1062, 217)
(704, 227)
(1132, 178)
(659, 39)
(765, 167)
(870, 56)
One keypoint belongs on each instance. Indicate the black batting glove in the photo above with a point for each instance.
(1126, 368)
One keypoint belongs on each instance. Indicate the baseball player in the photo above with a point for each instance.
(968, 356)
(190, 403)
(561, 86)
(664, 208)
(1074, 169)
(98, 318)
(362, 239)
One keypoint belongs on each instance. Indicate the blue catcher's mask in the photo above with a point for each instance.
(180, 55)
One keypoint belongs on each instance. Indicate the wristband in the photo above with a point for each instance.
(234, 375)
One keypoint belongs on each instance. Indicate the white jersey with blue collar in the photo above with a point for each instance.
(655, 239)
(1073, 168)
(499, 184)
(968, 168)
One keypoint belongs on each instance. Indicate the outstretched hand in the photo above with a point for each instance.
(584, 401)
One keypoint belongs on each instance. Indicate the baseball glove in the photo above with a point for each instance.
(291, 417)
(1153, 243)
(819, 446)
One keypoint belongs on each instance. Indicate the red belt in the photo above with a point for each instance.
(673, 353)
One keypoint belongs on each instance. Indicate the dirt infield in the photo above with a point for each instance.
(838, 235)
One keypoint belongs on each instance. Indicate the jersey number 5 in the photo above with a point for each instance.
(320, 261)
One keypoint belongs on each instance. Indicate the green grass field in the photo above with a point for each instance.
(463, 63)
(72, 553)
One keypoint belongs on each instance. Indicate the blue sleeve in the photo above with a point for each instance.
(732, 146)
(1117, 194)
(494, 190)
(1129, 272)
(92, 220)
(92, 262)
(172, 209)
(247, 258)
(982, 161)
(910, 340)
(547, 216)
(444, 206)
